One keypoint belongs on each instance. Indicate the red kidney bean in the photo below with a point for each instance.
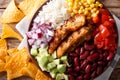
(99, 70)
(71, 77)
(87, 76)
(100, 63)
(88, 68)
(92, 52)
(76, 61)
(73, 55)
(69, 69)
(89, 46)
(100, 56)
(82, 49)
(105, 54)
(84, 55)
(93, 57)
(77, 50)
(77, 68)
(110, 56)
(84, 64)
(80, 78)
(94, 66)
(93, 74)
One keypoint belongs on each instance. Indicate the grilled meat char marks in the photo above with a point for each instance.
(71, 25)
(75, 39)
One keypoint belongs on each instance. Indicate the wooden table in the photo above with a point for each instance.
(113, 5)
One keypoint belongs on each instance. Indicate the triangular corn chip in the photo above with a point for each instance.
(8, 32)
(29, 7)
(11, 14)
(12, 51)
(3, 49)
(30, 70)
(3, 44)
(41, 76)
(2, 66)
(16, 63)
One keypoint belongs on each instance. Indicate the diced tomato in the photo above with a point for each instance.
(104, 11)
(100, 44)
(105, 32)
(98, 37)
(108, 24)
(112, 20)
(104, 18)
(95, 19)
(101, 27)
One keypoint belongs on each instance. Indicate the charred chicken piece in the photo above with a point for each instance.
(75, 39)
(70, 25)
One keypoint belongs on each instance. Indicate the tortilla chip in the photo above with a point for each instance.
(30, 70)
(11, 14)
(3, 49)
(26, 6)
(16, 63)
(3, 54)
(2, 66)
(12, 51)
(29, 7)
(3, 44)
(8, 32)
(41, 76)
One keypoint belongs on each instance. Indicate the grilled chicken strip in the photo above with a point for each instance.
(74, 39)
(70, 25)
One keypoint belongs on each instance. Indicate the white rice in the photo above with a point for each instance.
(55, 12)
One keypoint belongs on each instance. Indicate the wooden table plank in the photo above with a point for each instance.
(112, 3)
(4, 3)
(116, 11)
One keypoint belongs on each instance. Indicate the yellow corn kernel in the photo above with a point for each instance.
(100, 5)
(81, 7)
(70, 0)
(94, 9)
(70, 9)
(86, 12)
(97, 12)
(80, 11)
(97, 2)
(86, 9)
(80, 3)
(94, 15)
(75, 11)
(92, 5)
(90, 1)
(72, 14)
(89, 8)
(83, 1)
(70, 4)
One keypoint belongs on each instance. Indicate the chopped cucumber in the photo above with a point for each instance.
(34, 52)
(42, 51)
(50, 58)
(54, 55)
(53, 73)
(61, 68)
(42, 60)
(57, 61)
(50, 66)
(61, 76)
(63, 59)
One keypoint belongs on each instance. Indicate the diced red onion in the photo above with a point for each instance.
(41, 33)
